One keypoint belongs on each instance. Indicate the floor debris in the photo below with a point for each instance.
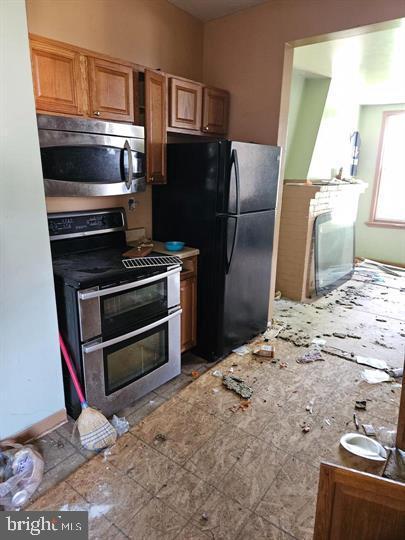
(195, 374)
(217, 373)
(120, 424)
(369, 430)
(360, 404)
(356, 422)
(241, 351)
(238, 386)
(374, 376)
(372, 362)
(160, 438)
(313, 355)
(264, 350)
(283, 365)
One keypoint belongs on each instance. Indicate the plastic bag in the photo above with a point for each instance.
(121, 425)
(21, 471)
(386, 436)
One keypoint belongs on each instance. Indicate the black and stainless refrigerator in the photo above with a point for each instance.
(220, 197)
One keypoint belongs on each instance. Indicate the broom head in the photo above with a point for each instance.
(95, 430)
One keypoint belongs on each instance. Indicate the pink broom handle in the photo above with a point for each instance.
(75, 380)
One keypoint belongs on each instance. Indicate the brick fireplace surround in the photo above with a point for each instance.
(301, 204)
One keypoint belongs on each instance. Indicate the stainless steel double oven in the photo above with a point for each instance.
(122, 326)
(130, 338)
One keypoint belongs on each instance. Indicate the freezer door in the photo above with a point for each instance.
(247, 277)
(252, 178)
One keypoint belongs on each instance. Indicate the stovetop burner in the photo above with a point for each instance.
(87, 249)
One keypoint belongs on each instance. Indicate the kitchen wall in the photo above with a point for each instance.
(244, 52)
(380, 243)
(31, 388)
(306, 126)
(153, 33)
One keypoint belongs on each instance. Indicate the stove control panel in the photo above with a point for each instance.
(75, 224)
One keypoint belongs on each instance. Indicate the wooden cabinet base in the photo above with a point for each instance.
(188, 302)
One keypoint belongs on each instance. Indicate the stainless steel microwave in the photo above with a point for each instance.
(86, 158)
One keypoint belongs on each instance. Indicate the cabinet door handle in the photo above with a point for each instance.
(97, 113)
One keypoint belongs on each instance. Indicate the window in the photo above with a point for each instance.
(388, 206)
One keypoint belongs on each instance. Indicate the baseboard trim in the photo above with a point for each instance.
(40, 428)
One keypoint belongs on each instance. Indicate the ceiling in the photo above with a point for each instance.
(206, 10)
(372, 64)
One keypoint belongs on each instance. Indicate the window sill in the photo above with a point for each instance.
(387, 224)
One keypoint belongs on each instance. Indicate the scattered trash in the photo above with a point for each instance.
(340, 335)
(312, 355)
(237, 385)
(395, 372)
(327, 421)
(372, 362)
(264, 350)
(277, 295)
(319, 341)
(310, 406)
(305, 428)
(21, 472)
(335, 351)
(231, 370)
(386, 436)
(217, 373)
(369, 430)
(107, 452)
(241, 351)
(353, 336)
(362, 446)
(215, 390)
(204, 516)
(379, 319)
(283, 365)
(299, 339)
(274, 330)
(360, 404)
(121, 425)
(160, 438)
(395, 466)
(241, 406)
(372, 377)
(195, 374)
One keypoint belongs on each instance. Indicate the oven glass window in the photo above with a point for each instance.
(122, 311)
(128, 361)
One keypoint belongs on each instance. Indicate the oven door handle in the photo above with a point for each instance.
(128, 148)
(133, 285)
(97, 346)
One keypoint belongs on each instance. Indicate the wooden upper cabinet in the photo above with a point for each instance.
(111, 90)
(215, 111)
(185, 104)
(155, 125)
(57, 78)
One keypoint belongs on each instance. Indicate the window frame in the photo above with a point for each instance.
(374, 221)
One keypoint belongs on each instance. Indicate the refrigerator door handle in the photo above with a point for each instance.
(235, 165)
(229, 261)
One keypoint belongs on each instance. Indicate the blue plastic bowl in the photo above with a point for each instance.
(174, 246)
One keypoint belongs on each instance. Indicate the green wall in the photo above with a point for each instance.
(382, 243)
(307, 102)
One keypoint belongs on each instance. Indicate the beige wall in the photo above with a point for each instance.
(244, 52)
(153, 33)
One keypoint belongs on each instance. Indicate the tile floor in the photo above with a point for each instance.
(193, 466)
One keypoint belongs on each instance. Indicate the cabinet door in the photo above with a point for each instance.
(188, 302)
(56, 73)
(215, 111)
(155, 124)
(111, 90)
(185, 104)
(353, 505)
